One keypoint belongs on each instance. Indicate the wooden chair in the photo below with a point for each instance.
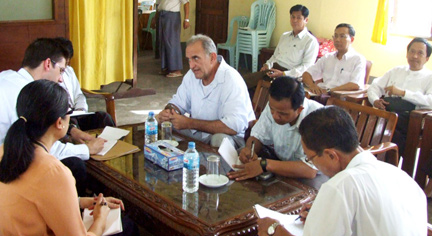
(415, 138)
(261, 97)
(114, 91)
(375, 129)
(425, 151)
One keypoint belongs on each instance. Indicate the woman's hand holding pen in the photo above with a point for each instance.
(90, 202)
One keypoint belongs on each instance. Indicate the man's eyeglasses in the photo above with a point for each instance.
(342, 36)
(310, 159)
(62, 69)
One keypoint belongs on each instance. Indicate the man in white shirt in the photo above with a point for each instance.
(278, 127)
(45, 59)
(342, 70)
(364, 196)
(214, 96)
(405, 88)
(296, 51)
(77, 100)
(169, 28)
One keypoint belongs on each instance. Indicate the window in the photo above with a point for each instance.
(411, 18)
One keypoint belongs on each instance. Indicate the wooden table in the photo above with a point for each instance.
(155, 200)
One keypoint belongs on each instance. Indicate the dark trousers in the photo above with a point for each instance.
(97, 120)
(79, 172)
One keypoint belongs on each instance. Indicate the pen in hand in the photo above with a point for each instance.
(299, 217)
(252, 149)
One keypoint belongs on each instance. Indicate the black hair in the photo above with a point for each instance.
(303, 9)
(286, 87)
(41, 49)
(329, 127)
(67, 44)
(425, 42)
(350, 28)
(39, 105)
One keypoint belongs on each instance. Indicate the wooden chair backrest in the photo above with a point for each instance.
(368, 70)
(373, 126)
(261, 97)
(425, 151)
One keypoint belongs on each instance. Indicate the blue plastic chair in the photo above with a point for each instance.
(242, 21)
(257, 34)
(150, 30)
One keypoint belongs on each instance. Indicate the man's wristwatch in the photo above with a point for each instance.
(328, 90)
(272, 229)
(187, 20)
(263, 164)
(71, 126)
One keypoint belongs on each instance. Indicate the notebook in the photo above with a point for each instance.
(289, 222)
(113, 222)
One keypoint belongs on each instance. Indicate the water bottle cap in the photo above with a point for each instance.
(191, 145)
(151, 113)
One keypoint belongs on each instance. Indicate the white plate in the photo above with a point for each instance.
(213, 181)
(171, 142)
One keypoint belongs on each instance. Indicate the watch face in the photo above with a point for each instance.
(270, 230)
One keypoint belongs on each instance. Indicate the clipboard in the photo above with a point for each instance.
(121, 148)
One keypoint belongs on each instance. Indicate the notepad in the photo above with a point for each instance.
(111, 134)
(229, 153)
(289, 222)
(113, 223)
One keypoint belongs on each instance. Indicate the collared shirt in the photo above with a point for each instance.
(369, 197)
(335, 72)
(226, 99)
(417, 86)
(285, 138)
(71, 84)
(296, 53)
(11, 83)
(170, 5)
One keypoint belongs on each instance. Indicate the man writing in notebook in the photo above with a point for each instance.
(276, 131)
(364, 196)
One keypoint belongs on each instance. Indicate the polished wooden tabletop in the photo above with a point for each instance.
(157, 202)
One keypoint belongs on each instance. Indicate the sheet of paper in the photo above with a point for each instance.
(113, 223)
(290, 223)
(81, 113)
(229, 153)
(107, 146)
(111, 133)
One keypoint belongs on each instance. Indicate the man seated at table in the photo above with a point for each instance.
(278, 127)
(214, 96)
(364, 196)
(342, 70)
(77, 100)
(296, 51)
(405, 88)
(45, 58)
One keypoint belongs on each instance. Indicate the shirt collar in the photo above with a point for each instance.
(361, 158)
(350, 53)
(24, 73)
(301, 34)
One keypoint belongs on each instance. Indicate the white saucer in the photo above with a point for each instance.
(213, 181)
(171, 142)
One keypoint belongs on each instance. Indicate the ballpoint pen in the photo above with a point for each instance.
(300, 216)
(252, 148)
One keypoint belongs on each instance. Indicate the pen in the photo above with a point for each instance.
(252, 148)
(300, 216)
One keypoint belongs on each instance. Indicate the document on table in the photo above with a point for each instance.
(81, 113)
(113, 223)
(112, 135)
(229, 153)
(290, 223)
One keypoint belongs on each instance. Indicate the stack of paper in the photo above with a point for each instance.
(228, 153)
(113, 223)
(114, 147)
(295, 227)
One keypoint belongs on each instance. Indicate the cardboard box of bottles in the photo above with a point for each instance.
(164, 155)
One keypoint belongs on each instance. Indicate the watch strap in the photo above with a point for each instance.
(263, 164)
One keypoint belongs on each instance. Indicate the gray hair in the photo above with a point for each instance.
(207, 43)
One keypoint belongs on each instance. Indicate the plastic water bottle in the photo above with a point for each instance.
(151, 129)
(190, 169)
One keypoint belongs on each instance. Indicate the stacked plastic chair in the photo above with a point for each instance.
(257, 35)
(151, 30)
(242, 21)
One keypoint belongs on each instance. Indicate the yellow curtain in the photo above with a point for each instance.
(379, 34)
(102, 35)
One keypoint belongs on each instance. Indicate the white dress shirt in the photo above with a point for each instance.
(369, 197)
(11, 83)
(226, 99)
(71, 84)
(335, 72)
(417, 86)
(296, 53)
(284, 138)
(170, 5)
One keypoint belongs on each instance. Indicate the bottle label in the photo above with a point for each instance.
(191, 162)
(151, 130)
